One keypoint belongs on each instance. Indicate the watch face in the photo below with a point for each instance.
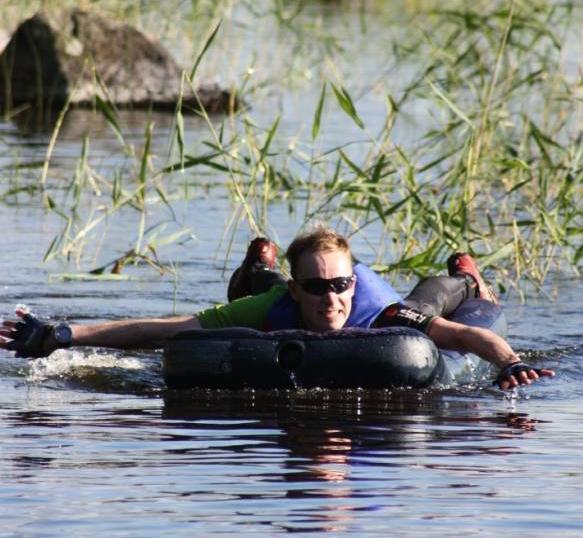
(63, 334)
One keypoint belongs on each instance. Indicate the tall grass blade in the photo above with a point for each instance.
(205, 47)
(189, 162)
(50, 149)
(142, 180)
(179, 118)
(88, 277)
(318, 113)
(502, 253)
(110, 116)
(265, 148)
(355, 168)
(143, 176)
(454, 108)
(345, 102)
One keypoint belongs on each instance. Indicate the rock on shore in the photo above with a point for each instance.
(77, 55)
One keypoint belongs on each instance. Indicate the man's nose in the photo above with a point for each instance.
(329, 297)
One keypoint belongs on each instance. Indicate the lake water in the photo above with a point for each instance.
(92, 443)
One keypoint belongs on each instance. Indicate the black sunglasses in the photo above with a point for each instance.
(321, 286)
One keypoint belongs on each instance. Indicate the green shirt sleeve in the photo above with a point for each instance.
(246, 312)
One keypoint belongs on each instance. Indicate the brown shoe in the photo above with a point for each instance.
(261, 256)
(461, 263)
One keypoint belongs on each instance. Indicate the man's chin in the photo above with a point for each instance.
(329, 325)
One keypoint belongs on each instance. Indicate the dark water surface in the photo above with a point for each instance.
(92, 444)
(87, 462)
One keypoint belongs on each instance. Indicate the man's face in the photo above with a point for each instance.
(329, 311)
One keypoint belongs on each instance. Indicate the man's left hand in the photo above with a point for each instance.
(520, 373)
(28, 338)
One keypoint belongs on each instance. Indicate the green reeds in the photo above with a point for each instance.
(496, 171)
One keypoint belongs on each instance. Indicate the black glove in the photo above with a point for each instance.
(513, 370)
(29, 336)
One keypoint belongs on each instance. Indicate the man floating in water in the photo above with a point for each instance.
(327, 291)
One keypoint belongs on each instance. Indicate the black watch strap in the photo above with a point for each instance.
(63, 334)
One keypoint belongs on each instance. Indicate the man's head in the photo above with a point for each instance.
(322, 280)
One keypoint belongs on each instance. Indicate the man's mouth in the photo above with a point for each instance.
(329, 314)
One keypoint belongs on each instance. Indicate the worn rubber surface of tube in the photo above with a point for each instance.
(238, 358)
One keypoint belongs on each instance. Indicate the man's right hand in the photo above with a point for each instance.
(28, 338)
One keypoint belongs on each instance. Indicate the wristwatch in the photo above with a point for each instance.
(63, 335)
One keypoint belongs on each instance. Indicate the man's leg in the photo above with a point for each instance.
(438, 295)
(256, 274)
(441, 295)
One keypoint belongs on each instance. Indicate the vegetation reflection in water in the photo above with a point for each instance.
(496, 170)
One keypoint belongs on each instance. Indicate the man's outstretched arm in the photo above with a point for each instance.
(487, 345)
(133, 333)
(30, 337)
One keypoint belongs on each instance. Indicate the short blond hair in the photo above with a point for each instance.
(321, 239)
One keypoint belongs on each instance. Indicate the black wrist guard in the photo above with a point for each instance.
(29, 336)
(513, 370)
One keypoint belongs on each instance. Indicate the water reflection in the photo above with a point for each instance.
(333, 427)
(341, 448)
(294, 461)
(79, 123)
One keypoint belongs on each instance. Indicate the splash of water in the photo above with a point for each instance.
(65, 363)
(294, 379)
(511, 398)
(21, 307)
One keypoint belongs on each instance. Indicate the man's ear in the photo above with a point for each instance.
(294, 288)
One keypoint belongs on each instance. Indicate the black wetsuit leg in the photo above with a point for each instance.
(252, 280)
(439, 295)
(431, 297)
(263, 280)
